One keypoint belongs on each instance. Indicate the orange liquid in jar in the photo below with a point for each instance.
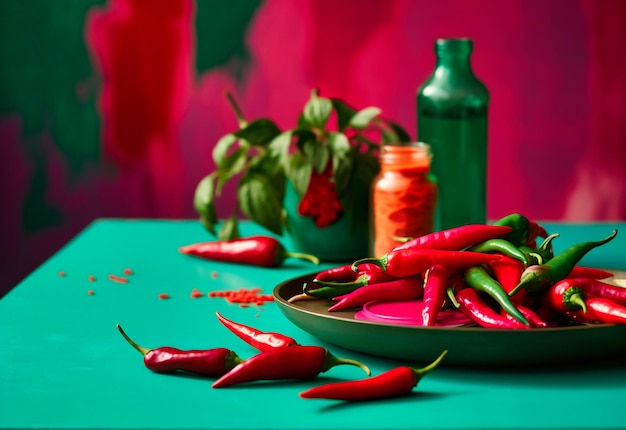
(403, 197)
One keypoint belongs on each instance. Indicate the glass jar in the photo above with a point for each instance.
(452, 118)
(403, 197)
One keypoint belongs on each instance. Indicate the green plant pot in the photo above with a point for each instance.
(344, 240)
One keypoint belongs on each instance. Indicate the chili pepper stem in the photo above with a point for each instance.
(380, 262)
(313, 259)
(424, 370)
(143, 351)
(240, 118)
(332, 361)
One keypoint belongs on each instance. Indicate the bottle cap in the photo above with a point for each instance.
(458, 46)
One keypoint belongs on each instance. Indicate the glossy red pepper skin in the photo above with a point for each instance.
(435, 284)
(563, 297)
(589, 272)
(396, 382)
(606, 310)
(507, 272)
(475, 307)
(205, 362)
(400, 289)
(366, 276)
(456, 239)
(408, 262)
(264, 251)
(336, 274)
(533, 318)
(260, 340)
(294, 362)
(596, 288)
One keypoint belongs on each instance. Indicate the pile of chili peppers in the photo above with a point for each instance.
(280, 358)
(502, 276)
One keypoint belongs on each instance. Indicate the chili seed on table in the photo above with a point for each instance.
(118, 279)
(90, 292)
(91, 278)
(127, 271)
(163, 296)
(195, 294)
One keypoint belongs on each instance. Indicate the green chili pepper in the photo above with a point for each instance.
(521, 228)
(480, 280)
(501, 246)
(541, 276)
(542, 254)
(329, 292)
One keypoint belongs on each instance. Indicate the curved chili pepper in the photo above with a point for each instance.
(520, 228)
(403, 263)
(369, 276)
(392, 383)
(435, 284)
(336, 274)
(500, 246)
(564, 297)
(400, 289)
(477, 278)
(533, 318)
(606, 310)
(206, 362)
(541, 276)
(507, 272)
(331, 291)
(256, 338)
(472, 305)
(295, 362)
(597, 288)
(457, 238)
(535, 230)
(264, 251)
(589, 272)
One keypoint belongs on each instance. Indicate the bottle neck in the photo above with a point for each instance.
(454, 54)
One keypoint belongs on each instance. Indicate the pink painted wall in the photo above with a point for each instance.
(557, 148)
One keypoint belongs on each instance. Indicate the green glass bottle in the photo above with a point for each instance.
(452, 118)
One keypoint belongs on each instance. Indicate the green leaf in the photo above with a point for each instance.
(258, 132)
(317, 154)
(204, 205)
(222, 146)
(299, 173)
(394, 133)
(344, 113)
(342, 160)
(229, 229)
(364, 117)
(278, 148)
(260, 202)
(231, 165)
(317, 111)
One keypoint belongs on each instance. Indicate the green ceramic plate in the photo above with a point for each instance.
(468, 346)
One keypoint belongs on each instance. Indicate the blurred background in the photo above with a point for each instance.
(111, 108)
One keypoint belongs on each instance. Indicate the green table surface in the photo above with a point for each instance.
(63, 364)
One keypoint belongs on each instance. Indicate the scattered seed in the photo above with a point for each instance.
(127, 271)
(164, 296)
(243, 296)
(91, 278)
(118, 279)
(195, 293)
(62, 274)
(213, 274)
(90, 292)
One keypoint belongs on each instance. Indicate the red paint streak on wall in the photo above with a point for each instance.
(142, 51)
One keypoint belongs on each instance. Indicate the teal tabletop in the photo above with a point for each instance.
(64, 365)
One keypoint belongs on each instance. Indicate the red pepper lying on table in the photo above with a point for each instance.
(294, 362)
(206, 362)
(264, 251)
(262, 341)
(396, 382)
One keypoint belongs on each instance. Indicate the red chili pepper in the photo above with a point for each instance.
(535, 231)
(533, 318)
(435, 284)
(564, 296)
(456, 239)
(295, 362)
(370, 275)
(596, 288)
(336, 274)
(403, 263)
(392, 383)
(262, 341)
(264, 251)
(206, 362)
(606, 310)
(507, 272)
(472, 305)
(589, 272)
(400, 289)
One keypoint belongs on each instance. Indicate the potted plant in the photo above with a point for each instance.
(316, 175)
